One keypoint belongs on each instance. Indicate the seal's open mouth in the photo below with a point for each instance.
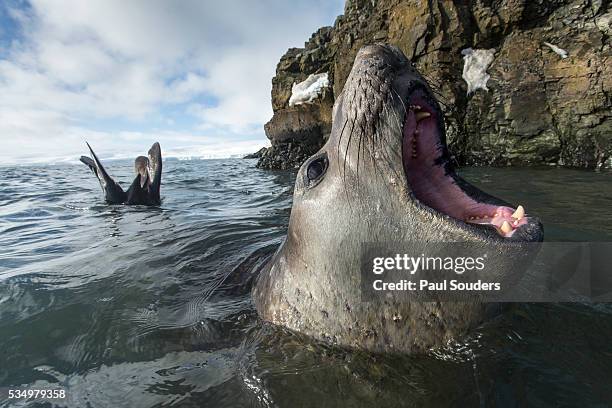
(432, 180)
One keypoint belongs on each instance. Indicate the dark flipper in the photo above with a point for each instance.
(155, 172)
(113, 193)
(90, 163)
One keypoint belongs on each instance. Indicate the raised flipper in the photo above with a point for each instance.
(90, 163)
(113, 193)
(155, 172)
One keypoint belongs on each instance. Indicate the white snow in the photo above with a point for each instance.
(475, 68)
(309, 89)
(561, 52)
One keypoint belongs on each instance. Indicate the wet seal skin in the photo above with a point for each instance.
(384, 175)
(144, 190)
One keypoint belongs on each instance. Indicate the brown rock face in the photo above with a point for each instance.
(299, 131)
(540, 108)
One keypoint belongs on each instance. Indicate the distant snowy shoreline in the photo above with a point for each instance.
(236, 150)
(75, 160)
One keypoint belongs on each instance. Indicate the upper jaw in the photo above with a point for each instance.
(431, 179)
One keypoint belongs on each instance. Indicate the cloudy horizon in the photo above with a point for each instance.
(194, 76)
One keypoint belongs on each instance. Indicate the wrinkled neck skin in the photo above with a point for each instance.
(312, 284)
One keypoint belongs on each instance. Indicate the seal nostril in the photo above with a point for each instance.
(371, 51)
(390, 55)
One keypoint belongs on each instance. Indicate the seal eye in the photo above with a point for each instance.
(316, 169)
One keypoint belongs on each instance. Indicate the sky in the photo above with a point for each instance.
(194, 75)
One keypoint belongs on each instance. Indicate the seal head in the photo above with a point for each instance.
(384, 175)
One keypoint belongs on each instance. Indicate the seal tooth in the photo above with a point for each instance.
(506, 227)
(519, 213)
(421, 115)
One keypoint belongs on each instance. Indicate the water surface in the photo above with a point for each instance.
(134, 306)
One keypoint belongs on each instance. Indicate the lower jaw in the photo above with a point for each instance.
(506, 220)
(440, 192)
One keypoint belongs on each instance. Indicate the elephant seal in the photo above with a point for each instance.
(384, 175)
(145, 188)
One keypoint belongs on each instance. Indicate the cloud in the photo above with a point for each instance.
(192, 72)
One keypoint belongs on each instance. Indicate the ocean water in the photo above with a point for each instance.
(150, 307)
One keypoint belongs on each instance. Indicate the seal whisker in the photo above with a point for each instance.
(360, 146)
(340, 140)
(359, 155)
(399, 123)
(361, 152)
(385, 143)
(346, 150)
(401, 100)
(345, 157)
(375, 142)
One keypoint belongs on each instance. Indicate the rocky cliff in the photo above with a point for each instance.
(549, 93)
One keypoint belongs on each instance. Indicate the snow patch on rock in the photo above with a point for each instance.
(476, 63)
(309, 89)
(561, 52)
